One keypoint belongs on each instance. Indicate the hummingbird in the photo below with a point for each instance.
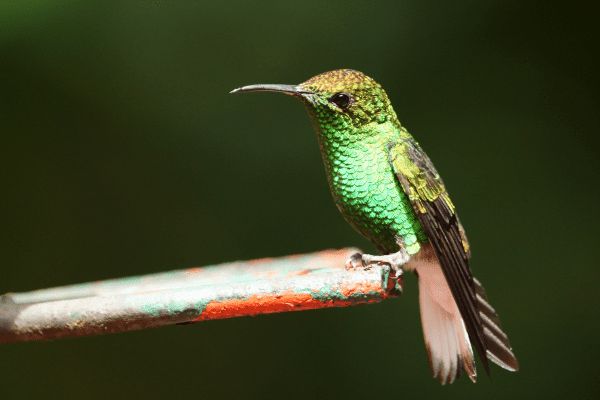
(387, 188)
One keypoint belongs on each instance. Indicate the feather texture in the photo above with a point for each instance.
(436, 213)
(446, 338)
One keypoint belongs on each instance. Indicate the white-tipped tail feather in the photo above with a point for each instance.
(498, 349)
(446, 338)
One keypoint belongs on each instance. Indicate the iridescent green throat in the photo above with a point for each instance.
(363, 185)
(356, 125)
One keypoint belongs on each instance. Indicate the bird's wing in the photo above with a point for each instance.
(436, 213)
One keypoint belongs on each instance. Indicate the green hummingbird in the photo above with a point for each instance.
(387, 188)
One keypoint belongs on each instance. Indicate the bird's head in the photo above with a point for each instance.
(340, 99)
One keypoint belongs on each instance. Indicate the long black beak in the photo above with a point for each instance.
(287, 89)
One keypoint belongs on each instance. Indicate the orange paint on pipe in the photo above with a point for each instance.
(290, 301)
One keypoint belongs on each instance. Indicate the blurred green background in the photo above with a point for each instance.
(123, 154)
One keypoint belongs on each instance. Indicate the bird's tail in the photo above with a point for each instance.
(446, 338)
(498, 349)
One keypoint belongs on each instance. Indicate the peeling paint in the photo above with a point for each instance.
(269, 285)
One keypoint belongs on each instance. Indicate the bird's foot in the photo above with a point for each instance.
(355, 261)
(364, 261)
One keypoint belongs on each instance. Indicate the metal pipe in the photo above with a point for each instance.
(291, 283)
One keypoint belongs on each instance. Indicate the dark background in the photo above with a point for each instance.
(122, 154)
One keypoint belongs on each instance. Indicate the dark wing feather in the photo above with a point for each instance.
(436, 213)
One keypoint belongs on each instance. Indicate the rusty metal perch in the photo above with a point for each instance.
(270, 285)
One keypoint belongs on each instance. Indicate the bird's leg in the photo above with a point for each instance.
(394, 260)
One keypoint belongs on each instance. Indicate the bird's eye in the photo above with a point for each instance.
(342, 100)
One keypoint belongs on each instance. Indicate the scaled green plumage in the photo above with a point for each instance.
(354, 146)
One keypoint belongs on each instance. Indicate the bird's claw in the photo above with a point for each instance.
(355, 261)
(364, 261)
